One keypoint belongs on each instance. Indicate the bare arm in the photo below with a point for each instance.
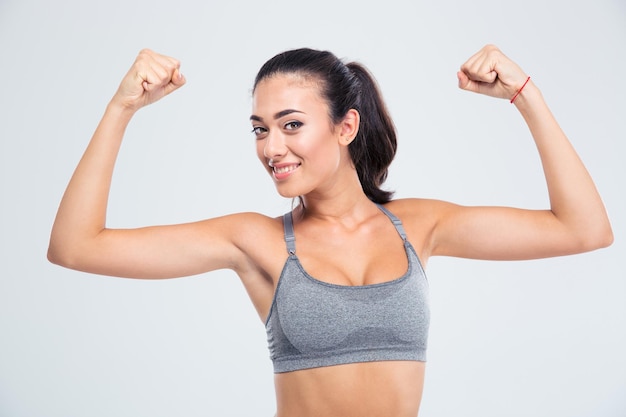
(80, 239)
(576, 221)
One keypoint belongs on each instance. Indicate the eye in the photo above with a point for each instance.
(293, 125)
(258, 130)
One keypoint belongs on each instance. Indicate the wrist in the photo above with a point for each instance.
(530, 103)
(118, 108)
(519, 90)
(526, 95)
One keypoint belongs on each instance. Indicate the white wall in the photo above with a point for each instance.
(539, 338)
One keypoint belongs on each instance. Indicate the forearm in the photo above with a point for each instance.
(82, 212)
(574, 199)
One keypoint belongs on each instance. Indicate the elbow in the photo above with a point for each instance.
(604, 235)
(72, 251)
(55, 256)
(57, 251)
(53, 253)
(59, 255)
(606, 238)
(599, 238)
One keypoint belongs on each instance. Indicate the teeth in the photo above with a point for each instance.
(282, 170)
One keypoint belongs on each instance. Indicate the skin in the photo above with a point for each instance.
(293, 130)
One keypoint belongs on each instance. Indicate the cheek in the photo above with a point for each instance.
(326, 155)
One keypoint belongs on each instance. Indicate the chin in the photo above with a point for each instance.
(288, 192)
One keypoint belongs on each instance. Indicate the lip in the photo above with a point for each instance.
(283, 170)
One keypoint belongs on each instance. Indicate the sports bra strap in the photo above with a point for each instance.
(290, 239)
(396, 221)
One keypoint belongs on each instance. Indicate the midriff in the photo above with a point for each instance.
(370, 389)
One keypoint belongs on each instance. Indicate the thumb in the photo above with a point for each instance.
(485, 86)
(466, 83)
(177, 81)
(463, 80)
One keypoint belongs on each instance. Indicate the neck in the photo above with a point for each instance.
(349, 204)
(340, 200)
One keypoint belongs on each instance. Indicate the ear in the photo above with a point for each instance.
(349, 127)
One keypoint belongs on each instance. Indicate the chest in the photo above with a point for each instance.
(315, 323)
(364, 257)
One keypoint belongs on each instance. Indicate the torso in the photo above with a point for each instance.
(369, 389)
(337, 253)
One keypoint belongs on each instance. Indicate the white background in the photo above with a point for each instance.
(536, 338)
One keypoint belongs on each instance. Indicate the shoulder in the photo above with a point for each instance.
(244, 227)
(419, 209)
(420, 218)
(252, 219)
(256, 238)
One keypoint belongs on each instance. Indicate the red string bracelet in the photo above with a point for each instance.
(520, 90)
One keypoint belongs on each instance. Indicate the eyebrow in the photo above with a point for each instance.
(277, 115)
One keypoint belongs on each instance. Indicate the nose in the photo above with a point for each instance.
(274, 145)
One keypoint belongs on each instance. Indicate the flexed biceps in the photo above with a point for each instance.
(352, 306)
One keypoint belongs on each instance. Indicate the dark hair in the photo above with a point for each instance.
(345, 87)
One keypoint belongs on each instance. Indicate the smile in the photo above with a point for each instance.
(285, 169)
(282, 172)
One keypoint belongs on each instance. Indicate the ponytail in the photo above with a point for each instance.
(375, 145)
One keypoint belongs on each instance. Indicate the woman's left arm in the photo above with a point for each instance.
(577, 220)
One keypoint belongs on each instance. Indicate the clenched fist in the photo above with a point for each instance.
(151, 77)
(490, 72)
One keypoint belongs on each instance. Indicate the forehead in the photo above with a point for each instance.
(286, 91)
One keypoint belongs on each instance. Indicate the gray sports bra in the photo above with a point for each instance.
(312, 323)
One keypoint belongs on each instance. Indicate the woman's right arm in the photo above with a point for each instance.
(80, 239)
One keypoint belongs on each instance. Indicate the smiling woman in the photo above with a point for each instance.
(340, 280)
(345, 93)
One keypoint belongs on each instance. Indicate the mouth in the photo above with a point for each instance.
(283, 171)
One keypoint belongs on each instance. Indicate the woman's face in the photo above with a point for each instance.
(295, 139)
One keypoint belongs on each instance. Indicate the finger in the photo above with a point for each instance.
(150, 80)
(158, 82)
(178, 80)
(483, 71)
(487, 75)
(154, 75)
(167, 67)
(482, 65)
(463, 80)
(467, 84)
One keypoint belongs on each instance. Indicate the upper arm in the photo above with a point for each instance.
(502, 233)
(160, 251)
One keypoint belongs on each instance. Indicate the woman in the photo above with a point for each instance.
(339, 281)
